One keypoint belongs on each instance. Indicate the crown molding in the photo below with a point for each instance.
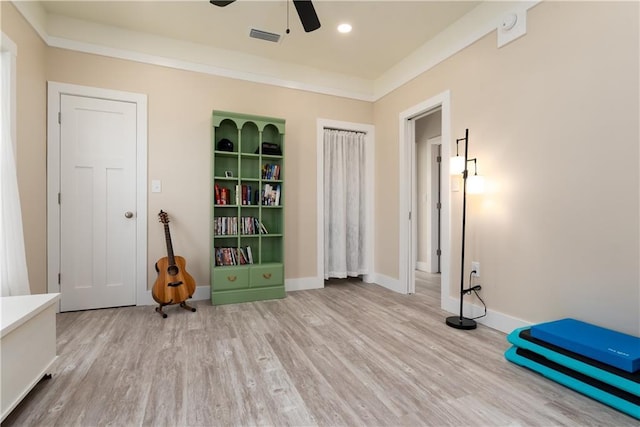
(68, 33)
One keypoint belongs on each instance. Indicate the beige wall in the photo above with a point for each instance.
(180, 105)
(553, 121)
(31, 152)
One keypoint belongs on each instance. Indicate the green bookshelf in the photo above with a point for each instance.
(247, 215)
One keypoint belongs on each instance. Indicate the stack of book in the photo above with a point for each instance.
(226, 226)
(223, 195)
(271, 195)
(233, 256)
(243, 194)
(251, 225)
(271, 172)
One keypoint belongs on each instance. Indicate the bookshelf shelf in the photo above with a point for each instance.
(247, 215)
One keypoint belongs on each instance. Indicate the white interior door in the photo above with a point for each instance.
(97, 203)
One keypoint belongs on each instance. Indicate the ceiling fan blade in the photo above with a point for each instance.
(221, 3)
(307, 14)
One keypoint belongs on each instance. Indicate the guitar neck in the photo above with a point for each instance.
(167, 237)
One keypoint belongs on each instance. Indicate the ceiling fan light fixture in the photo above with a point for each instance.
(344, 28)
(306, 12)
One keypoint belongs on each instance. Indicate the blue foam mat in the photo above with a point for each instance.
(573, 383)
(607, 376)
(598, 343)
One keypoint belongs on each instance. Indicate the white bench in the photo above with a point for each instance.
(27, 345)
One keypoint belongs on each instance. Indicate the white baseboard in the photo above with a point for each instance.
(386, 282)
(303, 284)
(494, 319)
(422, 266)
(202, 293)
(145, 298)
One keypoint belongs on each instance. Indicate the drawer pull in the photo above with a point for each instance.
(266, 275)
(232, 278)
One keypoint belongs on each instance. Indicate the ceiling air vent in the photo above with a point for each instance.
(264, 35)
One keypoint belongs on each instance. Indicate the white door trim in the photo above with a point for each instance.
(407, 242)
(54, 91)
(370, 139)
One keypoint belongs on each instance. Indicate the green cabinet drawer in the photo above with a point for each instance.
(266, 275)
(230, 278)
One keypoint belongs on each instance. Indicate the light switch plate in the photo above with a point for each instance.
(156, 186)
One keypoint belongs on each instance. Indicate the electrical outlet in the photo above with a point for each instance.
(475, 265)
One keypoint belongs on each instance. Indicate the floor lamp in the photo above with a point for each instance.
(459, 165)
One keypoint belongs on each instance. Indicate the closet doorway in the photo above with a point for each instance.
(325, 126)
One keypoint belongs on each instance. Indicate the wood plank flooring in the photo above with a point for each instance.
(351, 354)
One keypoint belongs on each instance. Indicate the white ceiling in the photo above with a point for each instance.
(384, 32)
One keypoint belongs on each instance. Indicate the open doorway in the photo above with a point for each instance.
(428, 141)
(409, 237)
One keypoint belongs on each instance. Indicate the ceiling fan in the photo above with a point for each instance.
(305, 9)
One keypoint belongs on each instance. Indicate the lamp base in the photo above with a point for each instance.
(461, 322)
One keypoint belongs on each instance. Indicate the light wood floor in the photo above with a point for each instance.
(348, 355)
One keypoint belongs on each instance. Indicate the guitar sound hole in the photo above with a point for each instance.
(172, 270)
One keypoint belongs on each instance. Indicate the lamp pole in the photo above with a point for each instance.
(461, 322)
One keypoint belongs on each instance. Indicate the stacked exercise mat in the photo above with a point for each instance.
(598, 362)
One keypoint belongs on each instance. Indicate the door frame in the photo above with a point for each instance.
(369, 130)
(54, 92)
(407, 194)
(434, 177)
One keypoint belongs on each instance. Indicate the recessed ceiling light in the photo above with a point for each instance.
(344, 28)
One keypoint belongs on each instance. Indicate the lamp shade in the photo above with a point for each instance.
(475, 184)
(456, 165)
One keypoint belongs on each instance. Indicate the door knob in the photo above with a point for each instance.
(128, 214)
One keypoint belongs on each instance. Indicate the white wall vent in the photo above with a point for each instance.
(264, 35)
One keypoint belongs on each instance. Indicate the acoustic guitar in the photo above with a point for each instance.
(173, 285)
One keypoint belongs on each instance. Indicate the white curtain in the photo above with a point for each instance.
(344, 204)
(13, 263)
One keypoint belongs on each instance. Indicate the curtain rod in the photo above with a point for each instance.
(344, 130)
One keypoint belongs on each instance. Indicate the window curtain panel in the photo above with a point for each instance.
(344, 204)
(13, 263)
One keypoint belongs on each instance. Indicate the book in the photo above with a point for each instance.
(242, 256)
(217, 194)
(244, 195)
(224, 196)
